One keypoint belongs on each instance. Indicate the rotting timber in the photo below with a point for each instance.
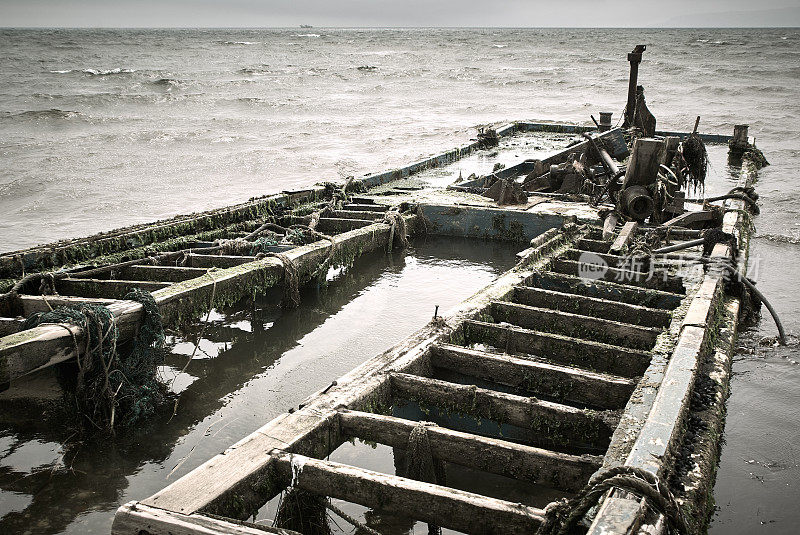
(626, 367)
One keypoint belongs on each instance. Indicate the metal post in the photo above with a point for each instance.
(634, 58)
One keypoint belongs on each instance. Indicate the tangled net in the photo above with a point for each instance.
(113, 388)
(561, 516)
(695, 157)
(304, 512)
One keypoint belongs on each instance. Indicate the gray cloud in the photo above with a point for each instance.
(477, 13)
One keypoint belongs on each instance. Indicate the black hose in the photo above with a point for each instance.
(757, 293)
(679, 246)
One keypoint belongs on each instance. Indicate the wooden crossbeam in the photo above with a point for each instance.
(597, 356)
(595, 246)
(624, 237)
(562, 383)
(44, 303)
(559, 423)
(366, 207)
(656, 280)
(613, 260)
(161, 273)
(557, 470)
(217, 261)
(359, 214)
(337, 225)
(446, 507)
(605, 290)
(575, 325)
(109, 289)
(592, 306)
(137, 519)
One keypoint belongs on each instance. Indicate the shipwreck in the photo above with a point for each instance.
(597, 367)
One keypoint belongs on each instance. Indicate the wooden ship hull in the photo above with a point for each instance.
(576, 374)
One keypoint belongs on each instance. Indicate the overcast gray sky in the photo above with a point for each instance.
(283, 13)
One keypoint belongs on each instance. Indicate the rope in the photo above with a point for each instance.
(421, 464)
(398, 223)
(561, 516)
(291, 282)
(350, 520)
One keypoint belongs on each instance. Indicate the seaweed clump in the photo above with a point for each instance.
(113, 388)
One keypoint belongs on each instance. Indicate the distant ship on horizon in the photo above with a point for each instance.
(306, 26)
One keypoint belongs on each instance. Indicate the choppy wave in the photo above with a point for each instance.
(168, 83)
(779, 238)
(52, 113)
(95, 72)
(238, 43)
(306, 35)
(255, 70)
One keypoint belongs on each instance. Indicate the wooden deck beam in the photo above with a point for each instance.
(560, 423)
(105, 288)
(655, 280)
(217, 261)
(605, 290)
(161, 273)
(446, 507)
(574, 325)
(592, 306)
(562, 383)
(556, 470)
(136, 519)
(597, 356)
(44, 303)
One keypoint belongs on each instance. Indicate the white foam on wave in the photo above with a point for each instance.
(306, 35)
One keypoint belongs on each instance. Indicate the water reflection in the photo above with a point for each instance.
(254, 362)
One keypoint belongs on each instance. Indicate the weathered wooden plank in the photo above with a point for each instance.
(614, 291)
(161, 273)
(332, 225)
(44, 303)
(655, 279)
(613, 260)
(108, 289)
(359, 214)
(557, 470)
(562, 424)
(597, 356)
(562, 383)
(624, 238)
(574, 325)
(353, 207)
(136, 519)
(592, 306)
(595, 246)
(217, 261)
(446, 507)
